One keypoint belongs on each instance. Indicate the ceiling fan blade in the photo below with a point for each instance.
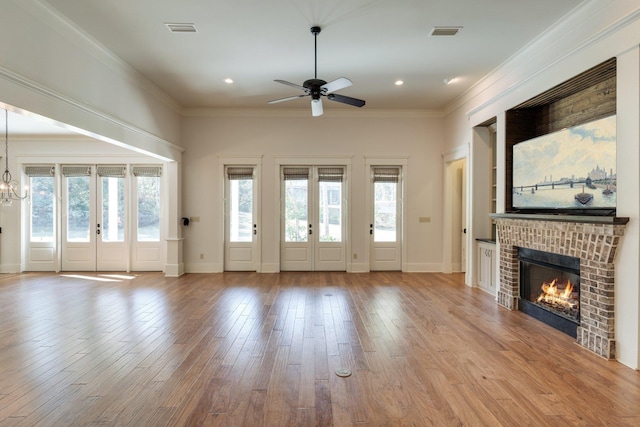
(284, 82)
(289, 98)
(346, 100)
(335, 85)
(316, 107)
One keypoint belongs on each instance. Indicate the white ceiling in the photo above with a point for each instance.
(372, 42)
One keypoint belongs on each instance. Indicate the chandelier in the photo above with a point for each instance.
(9, 187)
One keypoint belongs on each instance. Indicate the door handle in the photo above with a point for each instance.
(255, 229)
(310, 230)
(370, 228)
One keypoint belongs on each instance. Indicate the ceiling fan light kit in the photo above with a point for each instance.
(317, 88)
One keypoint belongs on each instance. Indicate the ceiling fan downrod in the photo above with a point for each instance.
(315, 31)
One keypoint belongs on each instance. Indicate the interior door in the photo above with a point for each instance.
(385, 230)
(94, 215)
(313, 219)
(241, 227)
(463, 219)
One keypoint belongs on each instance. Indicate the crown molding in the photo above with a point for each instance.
(538, 58)
(305, 113)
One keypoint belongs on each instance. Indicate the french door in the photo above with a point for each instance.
(94, 218)
(313, 219)
(385, 230)
(241, 226)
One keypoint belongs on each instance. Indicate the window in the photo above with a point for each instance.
(148, 203)
(42, 203)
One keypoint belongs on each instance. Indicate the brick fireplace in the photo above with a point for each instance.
(593, 240)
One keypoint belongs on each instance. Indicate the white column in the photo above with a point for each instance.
(627, 265)
(174, 265)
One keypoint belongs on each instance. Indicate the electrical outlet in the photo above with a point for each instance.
(201, 256)
(355, 256)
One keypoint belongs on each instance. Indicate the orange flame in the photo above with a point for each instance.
(551, 294)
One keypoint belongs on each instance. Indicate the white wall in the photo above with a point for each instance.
(415, 136)
(50, 68)
(595, 32)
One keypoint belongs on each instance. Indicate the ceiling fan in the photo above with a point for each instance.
(317, 88)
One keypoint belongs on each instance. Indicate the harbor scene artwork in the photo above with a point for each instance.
(570, 168)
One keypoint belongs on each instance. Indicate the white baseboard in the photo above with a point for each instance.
(423, 268)
(174, 270)
(10, 268)
(270, 268)
(359, 267)
(203, 268)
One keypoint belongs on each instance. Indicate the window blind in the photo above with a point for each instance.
(386, 174)
(113, 171)
(76, 170)
(238, 173)
(330, 174)
(290, 174)
(151, 171)
(40, 170)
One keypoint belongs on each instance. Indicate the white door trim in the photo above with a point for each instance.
(402, 162)
(280, 161)
(255, 162)
(459, 153)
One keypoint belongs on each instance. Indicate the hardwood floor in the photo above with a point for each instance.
(245, 349)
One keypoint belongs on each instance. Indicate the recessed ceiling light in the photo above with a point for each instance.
(181, 27)
(399, 83)
(450, 80)
(228, 80)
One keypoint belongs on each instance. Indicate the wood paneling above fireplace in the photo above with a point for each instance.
(589, 96)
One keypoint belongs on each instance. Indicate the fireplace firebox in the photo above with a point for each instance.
(550, 288)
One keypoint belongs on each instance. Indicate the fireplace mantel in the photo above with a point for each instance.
(594, 240)
(586, 219)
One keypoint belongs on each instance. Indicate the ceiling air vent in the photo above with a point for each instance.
(445, 31)
(177, 27)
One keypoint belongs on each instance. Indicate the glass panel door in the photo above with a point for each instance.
(295, 247)
(112, 249)
(241, 227)
(79, 219)
(94, 234)
(313, 219)
(386, 226)
(329, 245)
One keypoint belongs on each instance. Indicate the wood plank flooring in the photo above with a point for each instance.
(246, 349)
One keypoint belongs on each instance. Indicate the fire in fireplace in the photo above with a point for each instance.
(559, 298)
(550, 288)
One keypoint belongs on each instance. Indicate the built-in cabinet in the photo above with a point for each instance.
(487, 266)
